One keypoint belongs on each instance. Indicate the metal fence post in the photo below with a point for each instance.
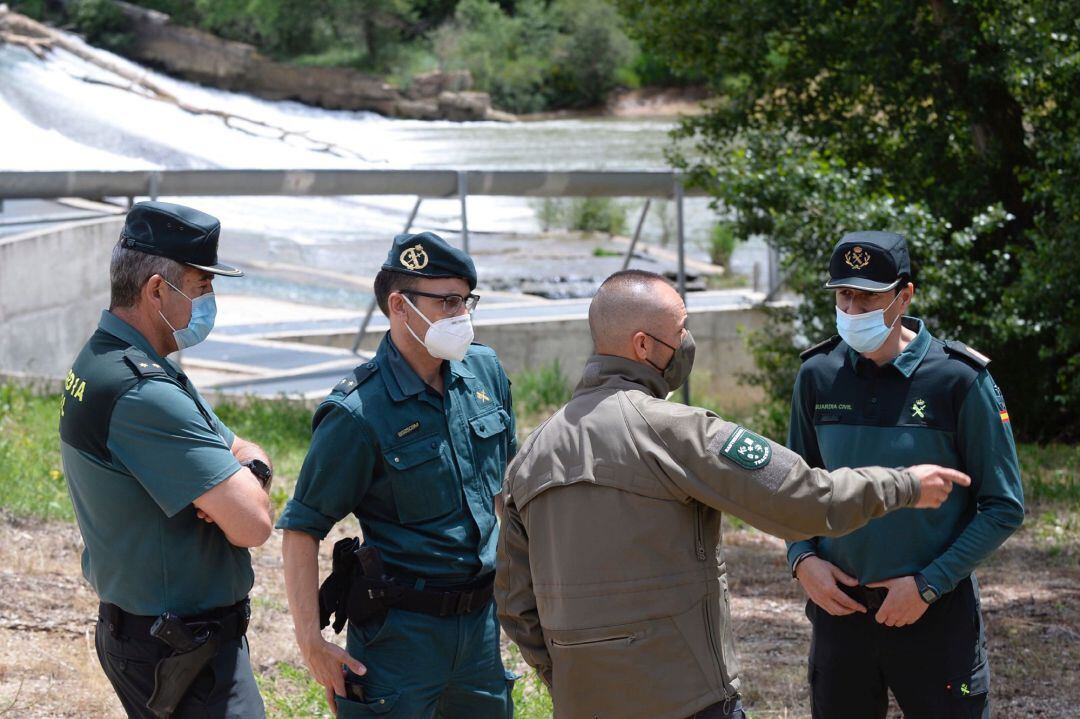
(637, 233)
(682, 261)
(463, 191)
(412, 215)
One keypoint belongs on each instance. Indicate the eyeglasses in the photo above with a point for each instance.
(451, 303)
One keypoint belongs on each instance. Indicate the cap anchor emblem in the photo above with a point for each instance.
(414, 258)
(856, 258)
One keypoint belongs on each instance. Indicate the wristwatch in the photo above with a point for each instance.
(927, 592)
(261, 470)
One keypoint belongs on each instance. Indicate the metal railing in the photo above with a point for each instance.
(424, 184)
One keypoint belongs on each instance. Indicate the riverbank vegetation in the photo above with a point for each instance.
(529, 55)
(952, 123)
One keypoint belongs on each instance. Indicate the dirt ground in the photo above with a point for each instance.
(1031, 599)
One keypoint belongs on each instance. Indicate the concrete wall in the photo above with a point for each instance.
(53, 285)
(531, 345)
(721, 351)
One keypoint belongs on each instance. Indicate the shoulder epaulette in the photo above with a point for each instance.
(825, 346)
(141, 364)
(355, 378)
(962, 351)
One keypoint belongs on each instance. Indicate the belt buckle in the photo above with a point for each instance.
(464, 602)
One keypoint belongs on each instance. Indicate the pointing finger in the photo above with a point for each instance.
(955, 476)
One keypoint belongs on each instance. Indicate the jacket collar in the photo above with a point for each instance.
(403, 382)
(121, 330)
(615, 373)
(910, 357)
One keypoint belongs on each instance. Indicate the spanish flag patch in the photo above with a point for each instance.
(1004, 415)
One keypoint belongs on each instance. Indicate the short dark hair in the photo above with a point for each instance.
(388, 281)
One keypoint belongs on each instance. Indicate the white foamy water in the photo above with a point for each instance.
(51, 118)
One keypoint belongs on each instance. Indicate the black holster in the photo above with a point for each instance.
(195, 643)
(358, 589)
(174, 675)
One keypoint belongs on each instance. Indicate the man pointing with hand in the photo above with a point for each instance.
(611, 575)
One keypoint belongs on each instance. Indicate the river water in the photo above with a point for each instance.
(58, 114)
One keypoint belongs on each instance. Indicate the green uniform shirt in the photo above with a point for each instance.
(934, 403)
(419, 470)
(146, 550)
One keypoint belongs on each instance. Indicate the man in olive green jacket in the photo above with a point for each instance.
(610, 576)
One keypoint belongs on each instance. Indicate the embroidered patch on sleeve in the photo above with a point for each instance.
(747, 449)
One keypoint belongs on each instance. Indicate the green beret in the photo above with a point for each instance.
(428, 255)
(180, 233)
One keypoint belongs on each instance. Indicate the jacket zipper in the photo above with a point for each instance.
(711, 631)
(621, 638)
(699, 541)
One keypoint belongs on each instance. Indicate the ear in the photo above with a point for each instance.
(640, 345)
(395, 302)
(154, 289)
(910, 289)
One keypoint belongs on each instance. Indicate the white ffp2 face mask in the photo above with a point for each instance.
(447, 338)
(865, 332)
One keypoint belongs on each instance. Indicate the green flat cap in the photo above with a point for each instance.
(180, 233)
(428, 255)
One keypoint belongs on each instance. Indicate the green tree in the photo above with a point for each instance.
(590, 49)
(955, 122)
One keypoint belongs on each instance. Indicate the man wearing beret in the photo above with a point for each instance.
(414, 444)
(168, 499)
(895, 605)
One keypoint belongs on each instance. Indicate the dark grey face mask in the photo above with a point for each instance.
(681, 364)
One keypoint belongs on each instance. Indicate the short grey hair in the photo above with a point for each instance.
(626, 303)
(130, 269)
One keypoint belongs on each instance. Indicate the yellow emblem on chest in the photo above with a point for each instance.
(483, 396)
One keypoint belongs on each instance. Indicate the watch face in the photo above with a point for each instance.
(929, 595)
(259, 469)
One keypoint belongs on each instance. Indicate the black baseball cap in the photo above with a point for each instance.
(180, 233)
(870, 261)
(427, 255)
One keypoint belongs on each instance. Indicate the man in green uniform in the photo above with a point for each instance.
(895, 604)
(414, 444)
(611, 575)
(168, 498)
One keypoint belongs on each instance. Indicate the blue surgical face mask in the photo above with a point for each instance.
(203, 314)
(864, 332)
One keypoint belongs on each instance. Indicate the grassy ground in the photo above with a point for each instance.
(1031, 599)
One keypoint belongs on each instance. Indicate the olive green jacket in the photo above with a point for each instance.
(610, 576)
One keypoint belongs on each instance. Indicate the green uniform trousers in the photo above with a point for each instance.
(421, 666)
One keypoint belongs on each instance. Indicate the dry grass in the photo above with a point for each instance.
(1031, 596)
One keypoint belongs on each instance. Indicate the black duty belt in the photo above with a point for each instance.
(870, 597)
(231, 620)
(441, 601)
(360, 588)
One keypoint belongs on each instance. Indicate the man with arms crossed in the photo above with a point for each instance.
(168, 498)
